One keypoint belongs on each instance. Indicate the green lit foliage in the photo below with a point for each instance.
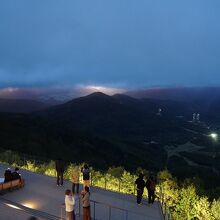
(202, 207)
(215, 209)
(68, 171)
(113, 176)
(98, 179)
(116, 172)
(185, 205)
(127, 183)
(167, 188)
(50, 169)
(30, 165)
(112, 183)
(197, 182)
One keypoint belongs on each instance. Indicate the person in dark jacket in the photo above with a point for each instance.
(8, 175)
(151, 185)
(140, 187)
(86, 175)
(16, 175)
(60, 171)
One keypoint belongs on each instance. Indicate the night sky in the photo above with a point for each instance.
(53, 45)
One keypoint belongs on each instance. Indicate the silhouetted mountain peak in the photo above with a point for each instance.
(125, 99)
(98, 95)
(122, 96)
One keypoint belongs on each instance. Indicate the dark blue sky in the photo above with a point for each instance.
(116, 43)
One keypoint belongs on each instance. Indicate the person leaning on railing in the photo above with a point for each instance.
(86, 203)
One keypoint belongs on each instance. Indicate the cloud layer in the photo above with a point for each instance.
(53, 43)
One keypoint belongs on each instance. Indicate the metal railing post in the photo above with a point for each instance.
(110, 213)
(126, 217)
(162, 200)
(61, 213)
(169, 216)
(79, 207)
(94, 211)
(166, 211)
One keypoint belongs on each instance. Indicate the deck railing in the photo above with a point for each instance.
(104, 211)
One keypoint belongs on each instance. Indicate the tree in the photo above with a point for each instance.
(185, 208)
(203, 211)
(167, 188)
(116, 172)
(215, 209)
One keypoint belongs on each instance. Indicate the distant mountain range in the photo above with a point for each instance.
(100, 129)
(173, 100)
(185, 94)
(21, 105)
(205, 100)
(113, 114)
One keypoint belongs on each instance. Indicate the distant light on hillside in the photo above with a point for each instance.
(214, 135)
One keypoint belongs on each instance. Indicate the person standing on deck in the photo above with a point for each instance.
(86, 203)
(75, 180)
(140, 187)
(151, 185)
(69, 205)
(60, 171)
(86, 175)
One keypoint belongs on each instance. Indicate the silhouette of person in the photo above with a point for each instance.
(86, 175)
(60, 171)
(16, 175)
(140, 187)
(150, 185)
(8, 175)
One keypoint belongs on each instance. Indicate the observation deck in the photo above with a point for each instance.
(42, 198)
